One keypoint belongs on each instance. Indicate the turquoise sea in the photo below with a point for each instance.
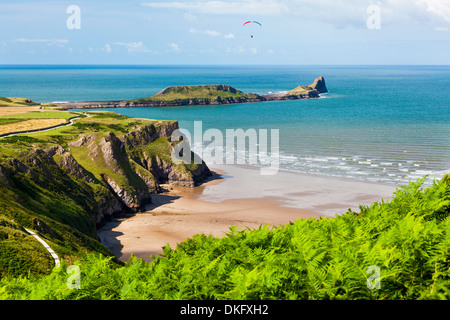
(377, 123)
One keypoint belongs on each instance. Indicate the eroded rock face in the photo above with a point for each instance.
(135, 202)
(319, 85)
(148, 133)
(4, 176)
(124, 180)
(68, 163)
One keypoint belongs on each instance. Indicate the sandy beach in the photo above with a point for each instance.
(234, 196)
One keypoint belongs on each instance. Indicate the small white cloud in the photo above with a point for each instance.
(49, 42)
(133, 47)
(107, 48)
(441, 29)
(241, 50)
(213, 33)
(229, 36)
(190, 17)
(175, 47)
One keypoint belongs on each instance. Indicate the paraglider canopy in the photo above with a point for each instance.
(252, 22)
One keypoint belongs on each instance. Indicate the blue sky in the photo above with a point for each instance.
(212, 32)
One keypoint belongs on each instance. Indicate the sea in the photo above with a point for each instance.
(388, 124)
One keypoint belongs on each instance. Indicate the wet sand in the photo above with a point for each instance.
(235, 196)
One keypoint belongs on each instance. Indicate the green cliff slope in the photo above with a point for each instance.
(65, 182)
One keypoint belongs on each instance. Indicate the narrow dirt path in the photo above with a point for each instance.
(54, 255)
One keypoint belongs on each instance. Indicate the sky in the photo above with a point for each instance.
(293, 32)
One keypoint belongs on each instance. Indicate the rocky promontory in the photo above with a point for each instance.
(204, 95)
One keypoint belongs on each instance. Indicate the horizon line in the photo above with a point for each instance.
(199, 65)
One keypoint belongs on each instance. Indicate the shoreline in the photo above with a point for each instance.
(234, 196)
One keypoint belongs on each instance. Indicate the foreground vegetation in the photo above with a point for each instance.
(406, 237)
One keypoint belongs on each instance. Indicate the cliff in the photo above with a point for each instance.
(319, 85)
(204, 95)
(66, 185)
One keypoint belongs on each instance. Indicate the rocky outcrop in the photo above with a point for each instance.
(43, 228)
(68, 163)
(148, 133)
(168, 173)
(319, 85)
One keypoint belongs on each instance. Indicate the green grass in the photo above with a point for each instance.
(41, 115)
(407, 237)
(14, 101)
(301, 90)
(207, 92)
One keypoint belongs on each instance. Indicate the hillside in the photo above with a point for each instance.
(199, 93)
(15, 101)
(65, 182)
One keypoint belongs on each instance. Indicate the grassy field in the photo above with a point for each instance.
(16, 115)
(29, 125)
(44, 114)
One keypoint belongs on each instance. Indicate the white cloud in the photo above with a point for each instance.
(175, 47)
(241, 50)
(229, 36)
(49, 42)
(338, 13)
(107, 48)
(133, 47)
(438, 8)
(213, 33)
(190, 17)
(255, 7)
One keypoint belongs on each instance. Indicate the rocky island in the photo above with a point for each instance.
(204, 95)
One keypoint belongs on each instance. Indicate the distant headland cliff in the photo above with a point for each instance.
(204, 95)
